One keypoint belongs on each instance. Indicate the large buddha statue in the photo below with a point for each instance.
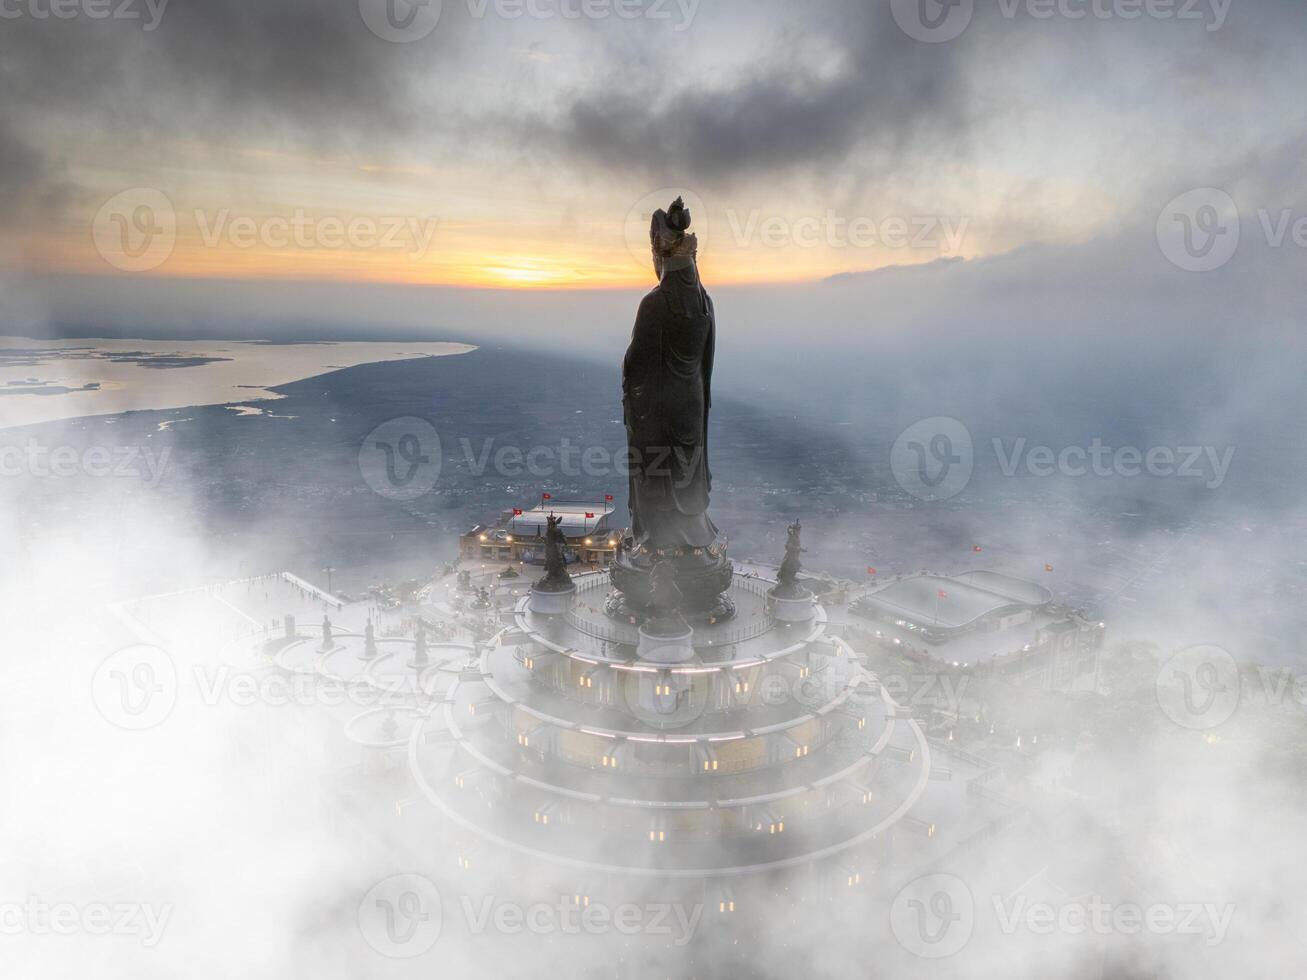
(666, 397)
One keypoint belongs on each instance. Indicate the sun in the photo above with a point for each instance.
(519, 276)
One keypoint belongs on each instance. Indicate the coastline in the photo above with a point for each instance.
(76, 378)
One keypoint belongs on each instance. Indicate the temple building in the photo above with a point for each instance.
(519, 534)
(987, 617)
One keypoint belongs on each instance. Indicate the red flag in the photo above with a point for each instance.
(589, 516)
(871, 571)
(546, 496)
(517, 511)
(943, 594)
(608, 496)
(977, 548)
(1048, 568)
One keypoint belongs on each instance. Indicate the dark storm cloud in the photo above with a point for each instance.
(636, 98)
(30, 181)
(882, 103)
(19, 163)
(879, 87)
(311, 66)
(312, 71)
(224, 74)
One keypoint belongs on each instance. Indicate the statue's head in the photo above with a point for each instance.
(669, 238)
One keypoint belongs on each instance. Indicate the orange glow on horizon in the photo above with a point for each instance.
(261, 245)
(515, 272)
(480, 237)
(272, 213)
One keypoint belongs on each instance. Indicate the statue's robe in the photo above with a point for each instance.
(666, 395)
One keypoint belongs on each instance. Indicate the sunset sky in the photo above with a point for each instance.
(811, 138)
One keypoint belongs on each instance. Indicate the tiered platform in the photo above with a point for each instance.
(772, 747)
(541, 751)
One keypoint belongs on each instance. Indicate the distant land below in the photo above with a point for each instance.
(54, 380)
(242, 490)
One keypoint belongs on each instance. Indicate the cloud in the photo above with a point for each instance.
(30, 182)
(776, 94)
(866, 84)
(291, 63)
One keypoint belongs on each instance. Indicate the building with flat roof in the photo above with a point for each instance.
(987, 617)
(519, 534)
(941, 607)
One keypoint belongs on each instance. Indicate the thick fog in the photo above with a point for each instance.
(247, 834)
(1099, 348)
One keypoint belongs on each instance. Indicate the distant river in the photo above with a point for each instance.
(44, 380)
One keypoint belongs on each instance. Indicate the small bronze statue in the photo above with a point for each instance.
(327, 642)
(556, 578)
(787, 578)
